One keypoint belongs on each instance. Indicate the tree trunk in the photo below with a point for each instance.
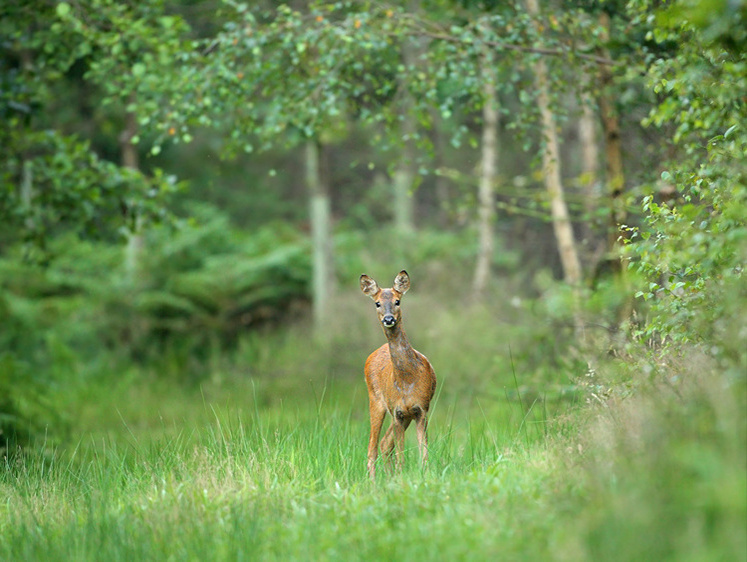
(130, 159)
(27, 191)
(403, 184)
(612, 150)
(323, 277)
(486, 198)
(587, 134)
(27, 173)
(551, 171)
(441, 182)
(615, 177)
(404, 176)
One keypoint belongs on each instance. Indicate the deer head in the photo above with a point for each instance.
(387, 300)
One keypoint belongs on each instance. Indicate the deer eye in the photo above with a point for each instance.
(396, 303)
(378, 305)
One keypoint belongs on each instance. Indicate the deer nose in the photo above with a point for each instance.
(388, 320)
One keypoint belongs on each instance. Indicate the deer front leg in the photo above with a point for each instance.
(422, 429)
(377, 414)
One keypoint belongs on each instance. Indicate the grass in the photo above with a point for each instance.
(275, 484)
(288, 481)
(265, 458)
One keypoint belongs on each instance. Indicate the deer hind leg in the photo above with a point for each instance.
(377, 419)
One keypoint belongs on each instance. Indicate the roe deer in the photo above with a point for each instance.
(400, 379)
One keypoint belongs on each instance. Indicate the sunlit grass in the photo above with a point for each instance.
(286, 483)
(287, 480)
(263, 457)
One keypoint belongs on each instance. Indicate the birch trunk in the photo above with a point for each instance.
(486, 197)
(323, 278)
(404, 176)
(27, 174)
(551, 171)
(130, 159)
(441, 186)
(588, 139)
(587, 133)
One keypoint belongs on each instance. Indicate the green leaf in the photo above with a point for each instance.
(63, 9)
(138, 69)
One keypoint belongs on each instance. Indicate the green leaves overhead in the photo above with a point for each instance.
(291, 74)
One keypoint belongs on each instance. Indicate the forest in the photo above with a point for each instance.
(190, 191)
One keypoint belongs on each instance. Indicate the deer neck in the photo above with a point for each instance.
(401, 352)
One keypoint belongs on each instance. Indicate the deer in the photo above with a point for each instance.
(400, 380)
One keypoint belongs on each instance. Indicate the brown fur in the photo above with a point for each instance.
(400, 379)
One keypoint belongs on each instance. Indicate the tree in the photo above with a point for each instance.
(323, 276)
(282, 77)
(615, 174)
(53, 180)
(486, 196)
(551, 172)
(406, 170)
(693, 244)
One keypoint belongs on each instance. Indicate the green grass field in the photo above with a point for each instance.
(288, 481)
(283, 483)
(265, 458)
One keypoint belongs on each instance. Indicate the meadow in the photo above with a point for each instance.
(264, 457)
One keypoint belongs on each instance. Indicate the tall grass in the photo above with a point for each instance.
(660, 476)
(280, 483)
(265, 457)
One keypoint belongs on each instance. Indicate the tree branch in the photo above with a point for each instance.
(520, 48)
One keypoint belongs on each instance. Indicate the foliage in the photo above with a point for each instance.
(204, 282)
(277, 77)
(694, 246)
(212, 282)
(196, 292)
(51, 180)
(71, 188)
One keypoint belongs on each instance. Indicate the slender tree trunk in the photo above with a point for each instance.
(551, 171)
(486, 197)
(441, 181)
(404, 183)
(615, 176)
(27, 173)
(612, 149)
(27, 190)
(130, 159)
(323, 277)
(404, 176)
(587, 133)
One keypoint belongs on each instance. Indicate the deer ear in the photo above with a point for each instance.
(402, 282)
(369, 286)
